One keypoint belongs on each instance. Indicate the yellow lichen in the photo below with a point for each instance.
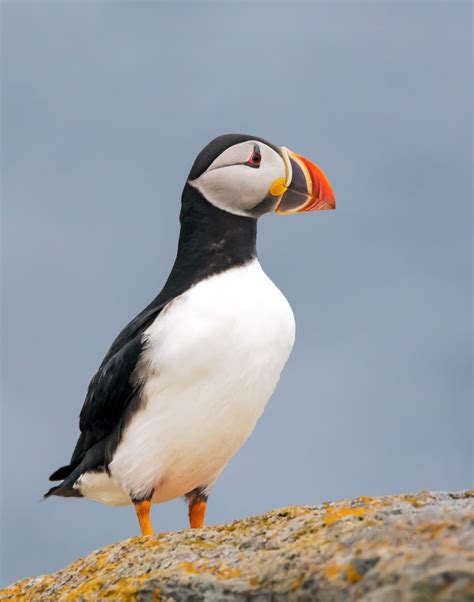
(296, 583)
(223, 571)
(352, 575)
(434, 529)
(336, 514)
(325, 535)
(125, 589)
(189, 567)
(332, 570)
(227, 572)
(414, 501)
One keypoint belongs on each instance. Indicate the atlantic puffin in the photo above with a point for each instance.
(182, 386)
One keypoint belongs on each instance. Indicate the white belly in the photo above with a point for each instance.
(214, 357)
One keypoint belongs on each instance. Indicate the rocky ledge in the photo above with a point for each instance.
(406, 547)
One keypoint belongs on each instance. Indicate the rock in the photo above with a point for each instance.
(407, 547)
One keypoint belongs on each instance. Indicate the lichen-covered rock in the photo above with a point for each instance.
(408, 547)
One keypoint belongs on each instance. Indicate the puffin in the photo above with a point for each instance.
(184, 383)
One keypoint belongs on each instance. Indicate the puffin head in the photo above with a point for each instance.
(248, 176)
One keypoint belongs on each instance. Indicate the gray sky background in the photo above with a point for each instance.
(105, 106)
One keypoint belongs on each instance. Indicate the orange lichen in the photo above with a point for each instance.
(223, 571)
(352, 575)
(365, 499)
(125, 589)
(332, 570)
(227, 572)
(434, 529)
(336, 514)
(414, 501)
(296, 583)
(189, 567)
(316, 548)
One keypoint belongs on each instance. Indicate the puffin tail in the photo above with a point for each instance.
(63, 490)
(81, 462)
(51, 491)
(68, 475)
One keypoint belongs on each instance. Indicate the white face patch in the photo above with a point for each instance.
(233, 185)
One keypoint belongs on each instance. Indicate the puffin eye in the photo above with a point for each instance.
(255, 158)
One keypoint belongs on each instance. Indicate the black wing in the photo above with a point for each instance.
(112, 390)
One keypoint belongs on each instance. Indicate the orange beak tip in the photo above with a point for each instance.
(307, 189)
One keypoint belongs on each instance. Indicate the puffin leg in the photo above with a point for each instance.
(142, 508)
(197, 502)
(197, 514)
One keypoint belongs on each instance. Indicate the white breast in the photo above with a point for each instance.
(214, 356)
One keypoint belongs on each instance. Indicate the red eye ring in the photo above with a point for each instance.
(255, 158)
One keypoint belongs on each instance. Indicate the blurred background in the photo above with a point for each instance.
(105, 106)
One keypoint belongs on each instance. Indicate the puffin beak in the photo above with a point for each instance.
(305, 188)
